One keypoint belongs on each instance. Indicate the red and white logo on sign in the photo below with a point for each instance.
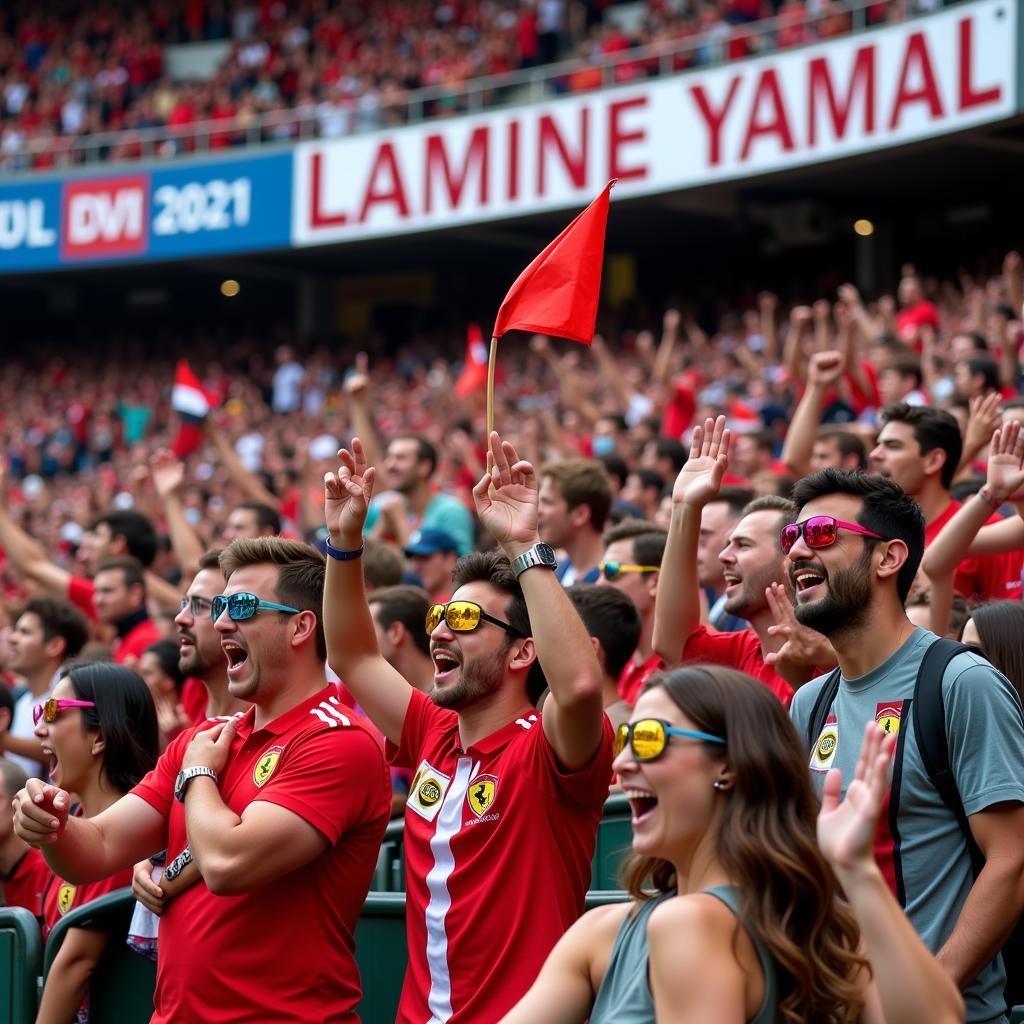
(109, 217)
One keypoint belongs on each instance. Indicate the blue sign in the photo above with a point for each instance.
(190, 210)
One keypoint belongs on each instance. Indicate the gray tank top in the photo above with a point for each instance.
(625, 993)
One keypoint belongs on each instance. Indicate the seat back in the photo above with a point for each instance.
(614, 841)
(21, 962)
(122, 986)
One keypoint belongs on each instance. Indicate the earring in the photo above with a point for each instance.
(718, 784)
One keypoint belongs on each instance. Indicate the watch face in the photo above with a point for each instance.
(546, 553)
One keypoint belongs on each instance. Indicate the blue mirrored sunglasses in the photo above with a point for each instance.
(244, 606)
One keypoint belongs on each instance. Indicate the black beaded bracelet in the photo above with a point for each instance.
(343, 556)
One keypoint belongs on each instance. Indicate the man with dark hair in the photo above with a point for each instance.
(900, 380)
(410, 501)
(399, 613)
(24, 874)
(853, 554)
(119, 597)
(251, 519)
(200, 656)
(666, 455)
(720, 516)
(575, 499)
(282, 809)
(752, 563)
(47, 634)
(643, 490)
(119, 533)
(504, 806)
(920, 448)
(975, 377)
(614, 625)
(632, 563)
(383, 566)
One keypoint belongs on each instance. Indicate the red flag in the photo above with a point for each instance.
(557, 293)
(192, 402)
(474, 370)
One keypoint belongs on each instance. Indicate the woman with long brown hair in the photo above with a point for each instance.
(736, 912)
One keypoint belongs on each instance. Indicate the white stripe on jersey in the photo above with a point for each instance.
(526, 723)
(334, 711)
(449, 823)
(323, 718)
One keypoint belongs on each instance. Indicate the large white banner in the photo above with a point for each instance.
(943, 73)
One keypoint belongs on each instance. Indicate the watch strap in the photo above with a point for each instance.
(188, 774)
(531, 557)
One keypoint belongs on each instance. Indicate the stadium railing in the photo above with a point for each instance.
(121, 988)
(707, 49)
(21, 961)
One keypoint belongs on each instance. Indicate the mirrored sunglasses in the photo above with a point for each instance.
(463, 617)
(819, 532)
(648, 737)
(244, 606)
(50, 709)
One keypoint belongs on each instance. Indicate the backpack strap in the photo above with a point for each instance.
(826, 697)
(929, 714)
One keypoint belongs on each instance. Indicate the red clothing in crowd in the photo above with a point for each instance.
(285, 950)
(910, 321)
(136, 640)
(80, 591)
(27, 882)
(740, 650)
(990, 578)
(499, 839)
(61, 897)
(635, 674)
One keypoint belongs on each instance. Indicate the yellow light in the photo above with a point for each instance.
(230, 288)
(863, 227)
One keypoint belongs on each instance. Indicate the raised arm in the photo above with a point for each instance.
(352, 649)
(907, 984)
(956, 540)
(506, 501)
(87, 849)
(168, 474)
(357, 388)
(824, 371)
(611, 373)
(248, 483)
(793, 351)
(677, 605)
(662, 371)
(25, 552)
(982, 420)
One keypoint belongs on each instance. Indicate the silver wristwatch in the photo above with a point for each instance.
(186, 775)
(539, 554)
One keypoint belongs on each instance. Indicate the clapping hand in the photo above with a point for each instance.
(804, 648)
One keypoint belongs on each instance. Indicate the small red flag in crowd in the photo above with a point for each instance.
(192, 402)
(474, 370)
(557, 293)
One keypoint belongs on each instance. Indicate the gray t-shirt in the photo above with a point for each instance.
(926, 847)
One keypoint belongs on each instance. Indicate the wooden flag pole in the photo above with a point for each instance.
(492, 360)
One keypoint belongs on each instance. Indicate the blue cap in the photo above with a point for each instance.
(430, 540)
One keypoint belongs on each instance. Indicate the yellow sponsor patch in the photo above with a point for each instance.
(825, 747)
(426, 794)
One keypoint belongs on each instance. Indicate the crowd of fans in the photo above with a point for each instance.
(70, 72)
(754, 493)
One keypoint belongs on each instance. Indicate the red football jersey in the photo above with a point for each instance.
(498, 844)
(284, 951)
(740, 650)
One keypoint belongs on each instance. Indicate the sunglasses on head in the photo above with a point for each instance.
(244, 606)
(648, 737)
(463, 617)
(611, 571)
(195, 604)
(50, 709)
(819, 532)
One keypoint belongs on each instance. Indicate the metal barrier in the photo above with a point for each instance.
(21, 961)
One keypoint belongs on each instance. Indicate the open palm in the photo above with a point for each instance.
(1005, 475)
(701, 477)
(506, 496)
(347, 493)
(846, 828)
